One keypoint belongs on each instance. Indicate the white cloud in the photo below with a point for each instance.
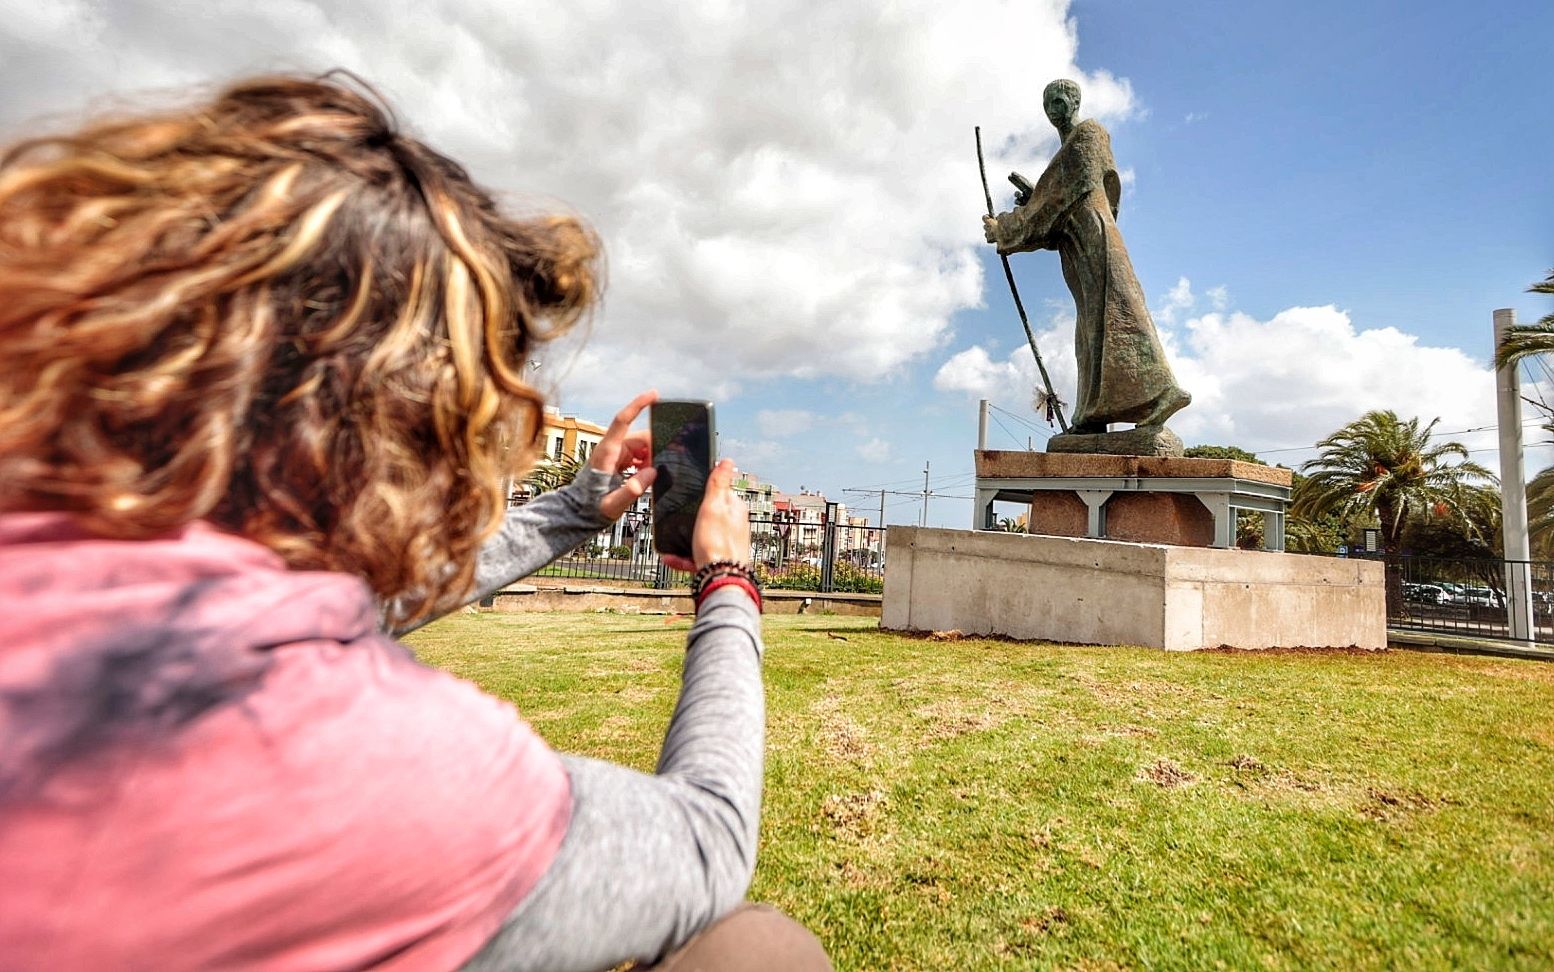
(1219, 297)
(751, 455)
(780, 423)
(1179, 298)
(783, 188)
(1274, 384)
(874, 450)
(1295, 378)
(1012, 380)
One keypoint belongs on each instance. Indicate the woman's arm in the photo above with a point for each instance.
(650, 860)
(536, 533)
(543, 529)
(554, 523)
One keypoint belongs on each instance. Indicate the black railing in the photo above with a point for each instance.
(790, 552)
(1467, 597)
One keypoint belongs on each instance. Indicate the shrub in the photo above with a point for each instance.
(853, 580)
(845, 578)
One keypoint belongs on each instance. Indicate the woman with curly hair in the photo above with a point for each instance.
(261, 384)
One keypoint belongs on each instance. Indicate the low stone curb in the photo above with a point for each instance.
(580, 597)
(1459, 645)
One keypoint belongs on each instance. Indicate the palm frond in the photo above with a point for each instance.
(1525, 341)
(552, 474)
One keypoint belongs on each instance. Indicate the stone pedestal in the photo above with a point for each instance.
(1145, 440)
(1147, 499)
(1105, 592)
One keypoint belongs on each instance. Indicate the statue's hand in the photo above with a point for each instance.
(990, 229)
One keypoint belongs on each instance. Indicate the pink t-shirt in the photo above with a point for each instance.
(209, 761)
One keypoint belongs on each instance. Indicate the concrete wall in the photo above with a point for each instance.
(1110, 592)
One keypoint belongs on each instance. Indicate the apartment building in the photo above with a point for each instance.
(804, 515)
(568, 436)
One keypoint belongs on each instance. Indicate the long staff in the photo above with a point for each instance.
(1054, 406)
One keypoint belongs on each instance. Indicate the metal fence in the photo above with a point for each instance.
(790, 551)
(812, 550)
(1466, 597)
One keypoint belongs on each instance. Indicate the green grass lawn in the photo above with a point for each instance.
(982, 804)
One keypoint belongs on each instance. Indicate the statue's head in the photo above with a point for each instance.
(1061, 101)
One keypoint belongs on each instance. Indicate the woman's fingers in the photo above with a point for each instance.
(723, 524)
(608, 454)
(619, 499)
(678, 563)
(636, 450)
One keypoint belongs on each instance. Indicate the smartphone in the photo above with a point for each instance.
(684, 452)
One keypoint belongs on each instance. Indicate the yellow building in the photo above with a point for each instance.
(568, 436)
(561, 437)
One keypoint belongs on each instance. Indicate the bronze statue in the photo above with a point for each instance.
(1072, 208)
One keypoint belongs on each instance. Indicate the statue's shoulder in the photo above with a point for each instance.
(1091, 130)
(1091, 143)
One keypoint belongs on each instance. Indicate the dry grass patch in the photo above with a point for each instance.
(841, 737)
(1166, 774)
(952, 718)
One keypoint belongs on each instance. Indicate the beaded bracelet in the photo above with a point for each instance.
(717, 568)
(720, 573)
(733, 580)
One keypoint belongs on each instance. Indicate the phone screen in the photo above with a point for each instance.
(683, 456)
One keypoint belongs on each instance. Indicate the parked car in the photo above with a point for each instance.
(1482, 597)
(1451, 593)
(1424, 594)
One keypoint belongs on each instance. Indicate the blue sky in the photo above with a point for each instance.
(1387, 159)
(1323, 201)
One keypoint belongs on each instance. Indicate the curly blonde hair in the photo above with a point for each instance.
(276, 313)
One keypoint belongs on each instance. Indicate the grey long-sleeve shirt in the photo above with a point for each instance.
(647, 861)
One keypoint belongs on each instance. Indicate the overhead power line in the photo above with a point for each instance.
(1481, 428)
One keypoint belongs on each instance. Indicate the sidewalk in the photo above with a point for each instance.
(1467, 645)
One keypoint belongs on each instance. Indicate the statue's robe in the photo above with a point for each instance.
(1123, 372)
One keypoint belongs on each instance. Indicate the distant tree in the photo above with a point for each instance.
(1009, 524)
(1383, 468)
(1222, 452)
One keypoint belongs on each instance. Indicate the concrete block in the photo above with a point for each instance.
(1112, 592)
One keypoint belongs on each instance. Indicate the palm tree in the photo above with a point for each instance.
(1528, 340)
(550, 474)
(1383, 467)
(1009, 524)
(1540, 513)
(1522, 342)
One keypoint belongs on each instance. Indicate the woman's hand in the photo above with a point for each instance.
(621, 449)
(722, 524)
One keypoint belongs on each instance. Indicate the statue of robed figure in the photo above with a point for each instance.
(1072, 208)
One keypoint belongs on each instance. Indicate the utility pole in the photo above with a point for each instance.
(924, 519)
(1513, 491)
(982, 425)
(871, 492)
